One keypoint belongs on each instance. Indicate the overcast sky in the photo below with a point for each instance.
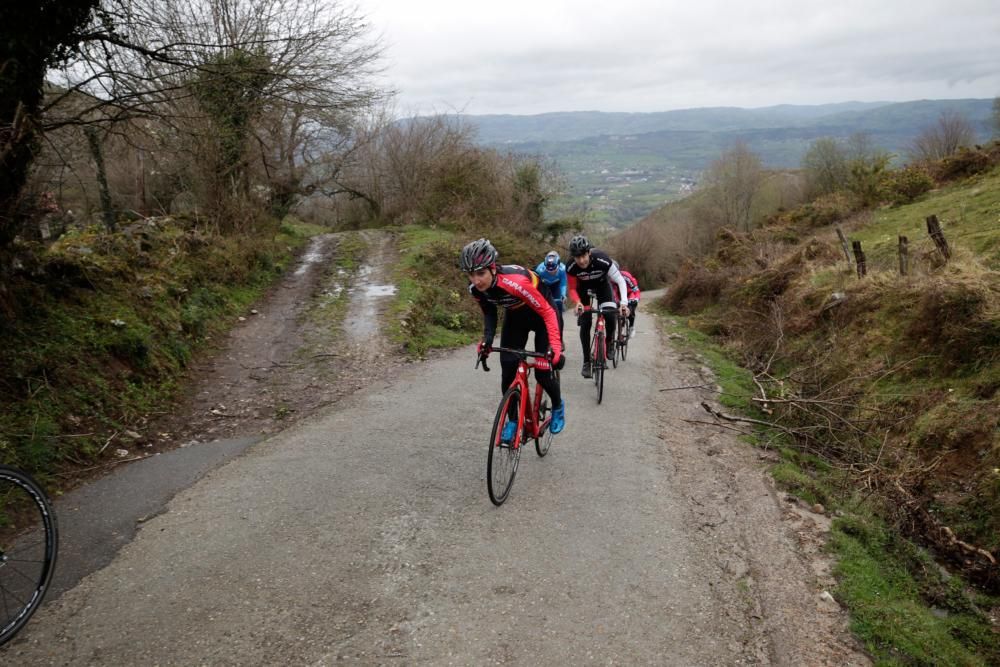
(535, 56)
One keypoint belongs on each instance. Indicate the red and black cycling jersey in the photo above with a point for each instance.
(516, 287)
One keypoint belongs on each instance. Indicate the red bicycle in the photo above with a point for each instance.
(532, 419)
(598, 348)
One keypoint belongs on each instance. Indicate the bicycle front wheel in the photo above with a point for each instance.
(501, 462)
(602, 361)
(29, 540)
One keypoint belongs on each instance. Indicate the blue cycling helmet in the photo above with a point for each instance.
(552, 261)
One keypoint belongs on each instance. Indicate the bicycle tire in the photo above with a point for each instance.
(602, 355)
(29, 543)
(502, 460)
(624, 348)
(542, 444)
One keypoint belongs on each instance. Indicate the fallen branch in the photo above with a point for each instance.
(747, 420)
(717, 424)
(690, 386)
(103, 465)
(107, 442)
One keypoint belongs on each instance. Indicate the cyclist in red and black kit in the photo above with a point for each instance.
(634, 294)
(515, 289)
(592, 269)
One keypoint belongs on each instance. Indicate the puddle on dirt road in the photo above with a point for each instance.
(362, 317)
(313, 254)
(372, 291)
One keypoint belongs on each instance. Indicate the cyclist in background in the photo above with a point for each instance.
(633, 299)
(592, 269)
(552, 273)
(515, 289)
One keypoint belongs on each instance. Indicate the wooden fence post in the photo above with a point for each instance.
(859, 258)
(843, 244)
(904, 255)
(934, 229)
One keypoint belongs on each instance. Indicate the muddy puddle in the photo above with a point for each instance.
(367, 295)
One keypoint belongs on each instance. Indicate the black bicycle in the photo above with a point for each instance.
(29, 541)
(621, 339)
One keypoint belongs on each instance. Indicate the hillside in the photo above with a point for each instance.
(619, 167)
(572, 125)
(882, 393)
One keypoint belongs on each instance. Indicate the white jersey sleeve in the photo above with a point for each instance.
(619, 280)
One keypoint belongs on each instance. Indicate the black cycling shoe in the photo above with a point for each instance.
(586, 372)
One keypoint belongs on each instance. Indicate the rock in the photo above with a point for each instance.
(818, 509)
(121, 453)
(826, 597)
(131, 434)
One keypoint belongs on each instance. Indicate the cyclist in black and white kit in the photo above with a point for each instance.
(592, 269)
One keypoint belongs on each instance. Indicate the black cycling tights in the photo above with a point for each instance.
(516, 325)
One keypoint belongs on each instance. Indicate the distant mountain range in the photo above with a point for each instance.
(872, 117)
(620, 166)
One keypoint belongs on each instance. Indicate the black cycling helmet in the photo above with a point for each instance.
(552, 261)
(578, 245)
(478, 255)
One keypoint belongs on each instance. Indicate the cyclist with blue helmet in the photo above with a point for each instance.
(552, 273)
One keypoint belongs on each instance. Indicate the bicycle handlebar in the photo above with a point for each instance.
(524, 354)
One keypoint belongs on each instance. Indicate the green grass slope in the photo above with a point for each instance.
(886, 392)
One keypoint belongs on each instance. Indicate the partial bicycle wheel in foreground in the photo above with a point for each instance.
(29, 540)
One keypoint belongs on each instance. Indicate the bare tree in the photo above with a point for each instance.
(116, 60)
(734, 180)
(951, 131)
(826, 166)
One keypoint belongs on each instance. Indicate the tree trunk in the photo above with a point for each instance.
(107, 209)
(20, 97)
(33, 33)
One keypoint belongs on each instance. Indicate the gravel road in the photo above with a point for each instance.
(365, 535)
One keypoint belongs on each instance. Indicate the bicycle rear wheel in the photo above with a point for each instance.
(601, 362)
(501, 462)
(627, 330)
(29, 541)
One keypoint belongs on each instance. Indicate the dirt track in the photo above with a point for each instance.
(364, 534)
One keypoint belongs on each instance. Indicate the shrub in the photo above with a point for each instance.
(902, 186)
(958, 320)
(825, 210)
(964, 163)
(694, 289)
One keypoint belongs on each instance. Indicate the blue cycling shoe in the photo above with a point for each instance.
(509, 431)
(558, 418)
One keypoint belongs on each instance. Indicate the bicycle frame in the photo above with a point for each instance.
(528, 425)
(599, 327)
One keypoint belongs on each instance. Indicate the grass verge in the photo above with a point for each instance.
(99, 328)
(433, 308)
(906, 609)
